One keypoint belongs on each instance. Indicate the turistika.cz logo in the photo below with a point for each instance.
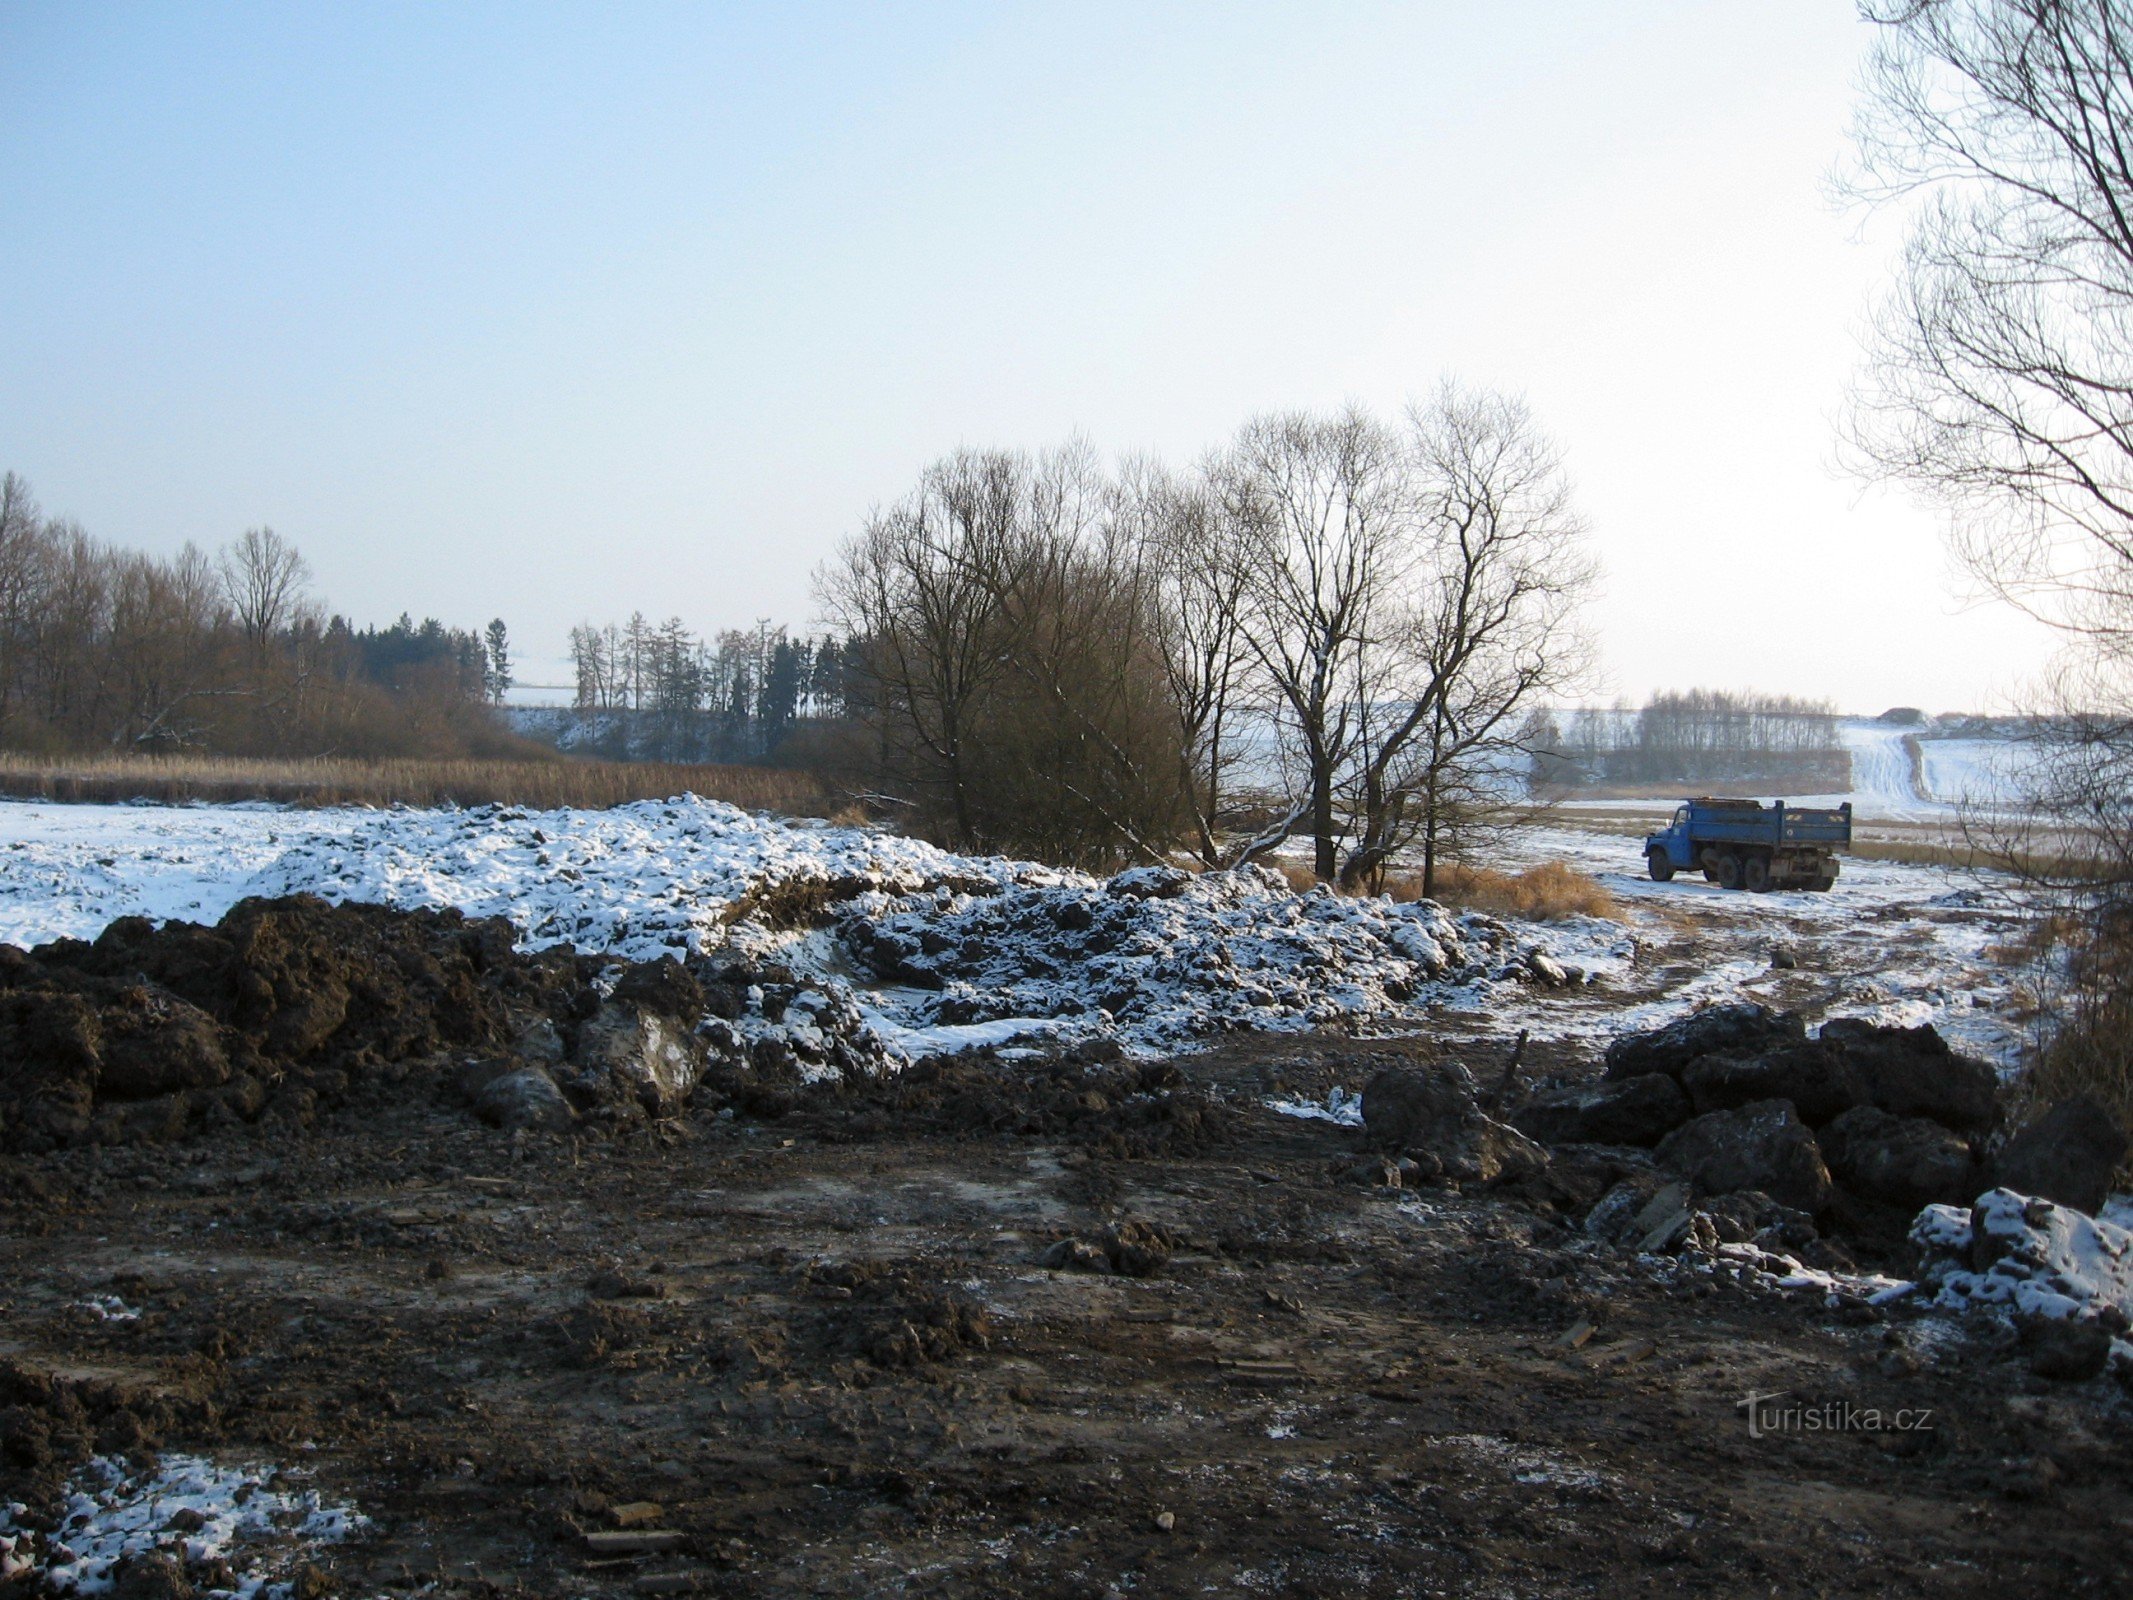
(1783, 1412)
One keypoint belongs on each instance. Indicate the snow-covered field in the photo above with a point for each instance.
(937, 951)
(1893, 942)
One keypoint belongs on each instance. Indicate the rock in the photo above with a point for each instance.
(1732, 1029)
(637, 1541)
(1911, 1072)
(1664, 1221)
(1816, 1078)
(1763, 1146)
(152, 1575)
(633, 1054)
(1150, 883)
(1165, 1521)
(1641, 1111)
(1546, 969)
(1433, 1113)
(2028, 1256)
(664, 986)
(1075, 1255)
(1615, 1216)
(1784, 957)
(2068, 1154)
(2066, 1352)
(524, 1098)
(1902, 1161)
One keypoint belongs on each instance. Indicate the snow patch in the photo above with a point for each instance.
(2026, 1255)
(255, 1518)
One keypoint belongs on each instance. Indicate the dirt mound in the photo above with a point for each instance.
(287, 1007)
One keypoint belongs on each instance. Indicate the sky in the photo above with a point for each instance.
(557, 313)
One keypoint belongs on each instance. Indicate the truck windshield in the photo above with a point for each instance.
(1681, 817)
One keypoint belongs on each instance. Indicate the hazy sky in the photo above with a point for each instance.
(560, 312)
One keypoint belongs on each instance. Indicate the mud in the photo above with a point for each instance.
(806, 1341)
(290, 1008)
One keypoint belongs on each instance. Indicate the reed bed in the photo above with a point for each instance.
(333, 781)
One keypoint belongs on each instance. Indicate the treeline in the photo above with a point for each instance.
(103, 648)
(662, 692)
(1084, 664)
(1693, 736)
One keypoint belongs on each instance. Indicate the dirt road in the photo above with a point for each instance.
(817, 1354)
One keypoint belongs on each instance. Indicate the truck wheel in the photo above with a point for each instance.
(1755, 875)
(1661, 865)
(1729, 871)
(1824, 885)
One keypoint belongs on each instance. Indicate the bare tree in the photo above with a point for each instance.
(1197, 564)
(1487, 627)
(2001, 379)
(263, 578)
(918, 586)
(2001, 384)
(1323, 504)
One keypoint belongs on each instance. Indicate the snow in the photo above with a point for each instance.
(1341, 1106)
(926, 952)
(1894, 943)
(2042, 1259)
(930, 951)
(255, 1518)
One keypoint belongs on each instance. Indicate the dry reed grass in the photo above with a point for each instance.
(1546, 893)
(330, 781)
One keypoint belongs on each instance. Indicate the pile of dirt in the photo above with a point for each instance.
(290, 1007)
(1164, 957)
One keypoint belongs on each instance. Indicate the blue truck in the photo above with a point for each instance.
(1744, 844)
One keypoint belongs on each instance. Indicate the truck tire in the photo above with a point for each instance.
(1823, 885)
(1661, 866)
(1729, 871)
(1755, 875)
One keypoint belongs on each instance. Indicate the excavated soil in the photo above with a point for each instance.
(997, 1327)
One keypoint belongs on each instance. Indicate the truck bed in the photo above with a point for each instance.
(1777, 825)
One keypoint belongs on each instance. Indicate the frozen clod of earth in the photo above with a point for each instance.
(187, 1514)
(2068, 1154)
(1431, 1112)
(1164, 957)
(2028, 1256)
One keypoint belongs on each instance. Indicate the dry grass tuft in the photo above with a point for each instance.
(331, 781)
(1301, 878)
(1546, 893)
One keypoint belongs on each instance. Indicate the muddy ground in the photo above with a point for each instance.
(818, 1351)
